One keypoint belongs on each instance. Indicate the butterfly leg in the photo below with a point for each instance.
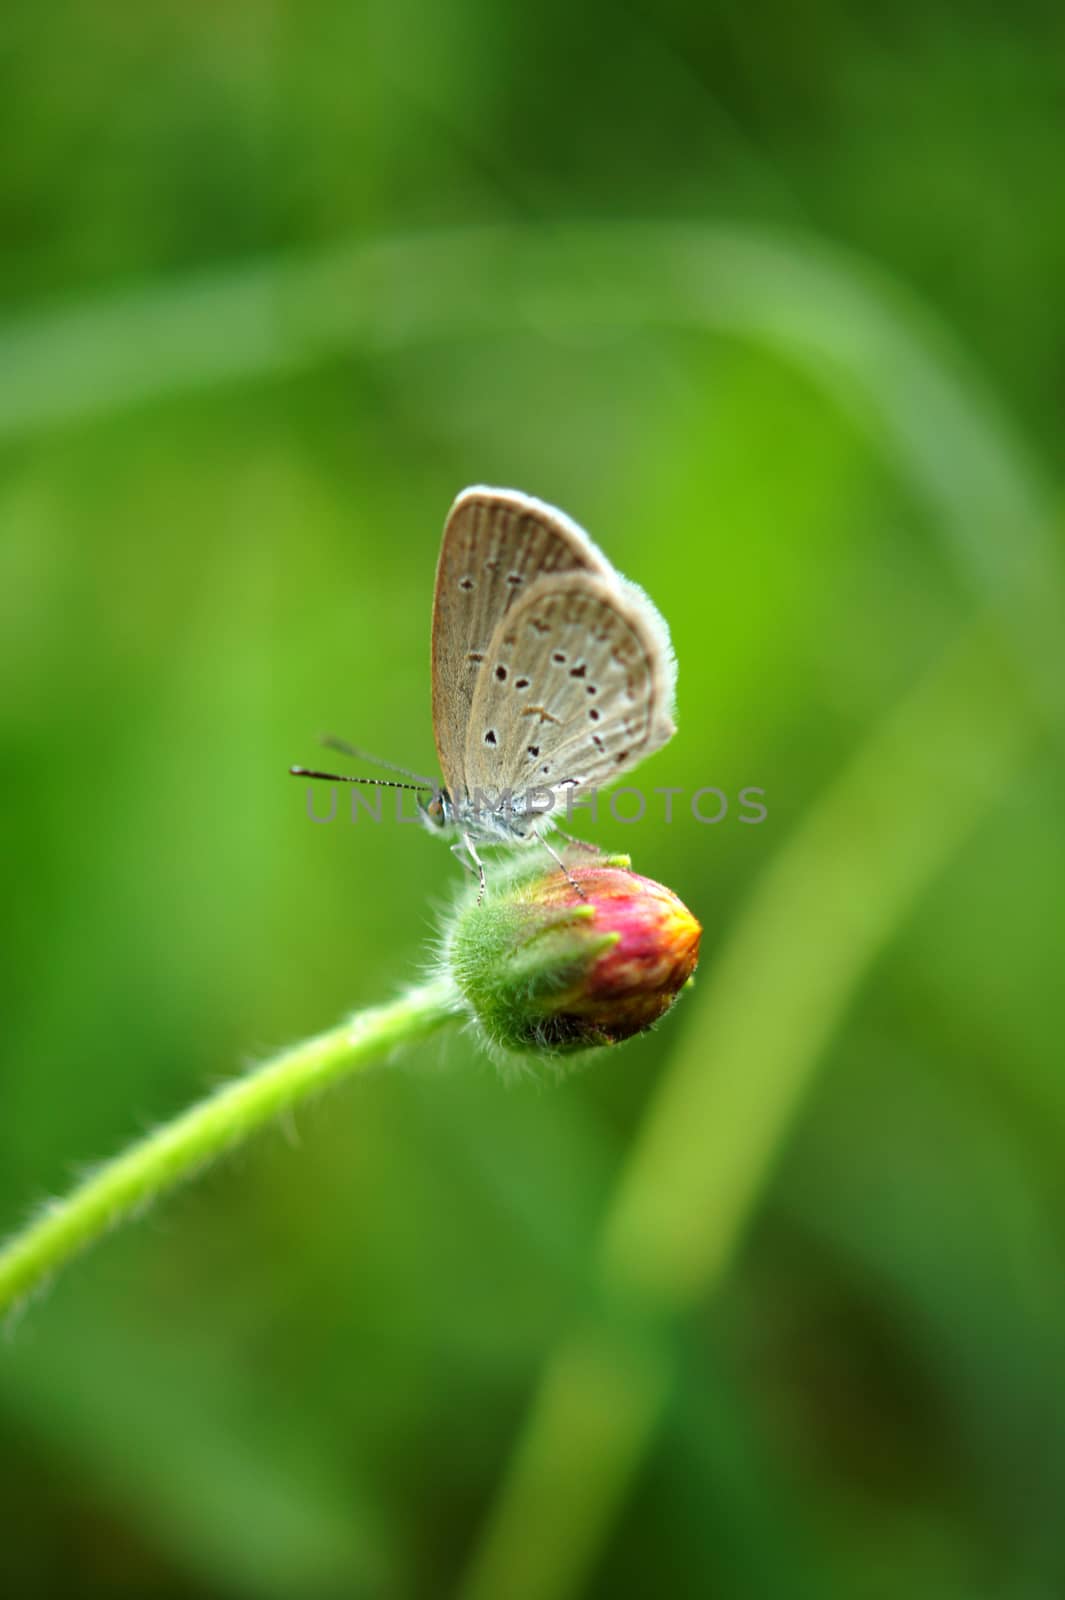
(477, 865)
(462, 856)
(582, 844)
(559, 861)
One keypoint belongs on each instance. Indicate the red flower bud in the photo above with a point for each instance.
(552, 967)
(636, 979)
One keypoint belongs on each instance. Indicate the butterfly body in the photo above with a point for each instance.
(488, 817)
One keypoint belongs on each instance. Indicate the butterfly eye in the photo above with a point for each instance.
(434, 810)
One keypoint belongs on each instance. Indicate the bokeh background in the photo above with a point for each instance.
(771, 1303)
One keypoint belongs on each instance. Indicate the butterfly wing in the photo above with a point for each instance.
(497, 543)
(577, 686)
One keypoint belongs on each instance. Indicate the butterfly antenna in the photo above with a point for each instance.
(342, 777)
(329, 741)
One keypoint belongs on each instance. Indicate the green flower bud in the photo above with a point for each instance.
(548, 969)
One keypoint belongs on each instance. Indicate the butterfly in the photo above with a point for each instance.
(552, 674)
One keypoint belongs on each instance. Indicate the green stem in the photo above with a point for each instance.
(164, 1158)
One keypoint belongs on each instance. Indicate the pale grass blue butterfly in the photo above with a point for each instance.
(551, 673)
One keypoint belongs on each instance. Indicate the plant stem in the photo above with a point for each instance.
(129, 1182)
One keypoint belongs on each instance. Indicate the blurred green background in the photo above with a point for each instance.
(771, 1303)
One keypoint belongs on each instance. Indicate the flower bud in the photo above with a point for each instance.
(551, 968)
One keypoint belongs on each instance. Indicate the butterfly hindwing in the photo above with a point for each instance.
(576, 687)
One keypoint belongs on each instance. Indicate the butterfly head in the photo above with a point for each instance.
(437, 811)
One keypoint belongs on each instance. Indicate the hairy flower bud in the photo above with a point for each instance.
(549, 969)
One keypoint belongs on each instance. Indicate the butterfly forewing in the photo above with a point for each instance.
(497, 544)
(576, 687)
